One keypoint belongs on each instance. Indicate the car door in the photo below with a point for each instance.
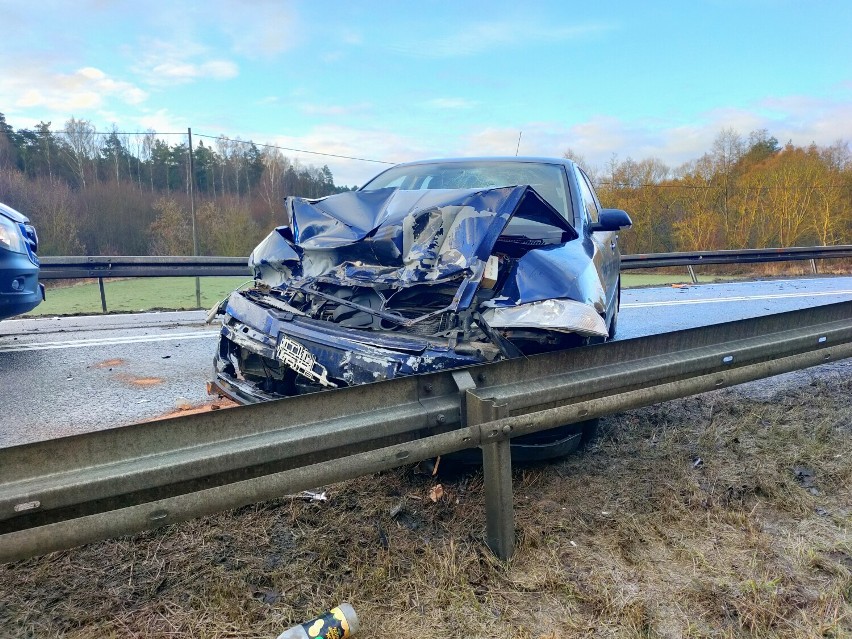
(607, 256)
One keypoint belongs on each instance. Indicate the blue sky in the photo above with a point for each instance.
(399, 81)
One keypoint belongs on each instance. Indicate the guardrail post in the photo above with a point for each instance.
(814, 267)
(692, 274)
(497, 470)
(103, 294)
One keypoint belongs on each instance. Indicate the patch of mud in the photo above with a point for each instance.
(109, 363)
(141, 382)
(219, 404)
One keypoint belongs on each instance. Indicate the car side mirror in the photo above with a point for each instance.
(611, 220)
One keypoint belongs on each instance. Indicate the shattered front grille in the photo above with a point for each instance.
(430, 327)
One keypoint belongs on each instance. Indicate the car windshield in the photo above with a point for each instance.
(547, 179)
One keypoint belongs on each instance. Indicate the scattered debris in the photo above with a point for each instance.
(397, 508)
(805, 477)
(428, 467)
(309, 495)
(337, 623)
(697, 462)
(436, 493)
(267, 596)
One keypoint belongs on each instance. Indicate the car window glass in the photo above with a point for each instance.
(547, 179)
(587, 195)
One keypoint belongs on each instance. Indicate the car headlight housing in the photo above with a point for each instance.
(10, 236)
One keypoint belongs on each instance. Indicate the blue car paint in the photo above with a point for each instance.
(369, 238)
(358, 239)
(19, 267)
(354, 356)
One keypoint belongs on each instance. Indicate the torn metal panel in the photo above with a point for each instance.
(563, 271)
(566, 316)
(401, 238)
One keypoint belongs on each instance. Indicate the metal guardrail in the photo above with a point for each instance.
(100, 267)
(744, 256)
(61, 493)
(54, 268)
(61, 268)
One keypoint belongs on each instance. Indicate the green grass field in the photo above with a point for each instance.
(134, 295)
(178, 293)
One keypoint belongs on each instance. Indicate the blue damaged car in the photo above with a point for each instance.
(20, 290)
(431, 265)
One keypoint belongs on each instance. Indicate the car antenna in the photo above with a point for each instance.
(517, 148)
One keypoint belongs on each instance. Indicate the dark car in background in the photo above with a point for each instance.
(431, 265)
(20, 290)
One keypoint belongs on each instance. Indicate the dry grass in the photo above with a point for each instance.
(635, 538)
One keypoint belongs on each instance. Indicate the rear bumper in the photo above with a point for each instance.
(20, 290)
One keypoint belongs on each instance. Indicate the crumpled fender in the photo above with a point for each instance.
(563, 271)
(397, 238)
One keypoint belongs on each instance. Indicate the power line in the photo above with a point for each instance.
(285, 148)
(269, 146)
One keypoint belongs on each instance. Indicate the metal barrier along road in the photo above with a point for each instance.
(744, 256)
(65, 492)
(58, 268)
(55, 268)
(61, 268)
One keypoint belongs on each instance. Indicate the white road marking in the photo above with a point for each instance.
(101, 316)
(742, 298)
(105, 341)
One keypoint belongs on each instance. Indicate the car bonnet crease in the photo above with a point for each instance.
(400, 238)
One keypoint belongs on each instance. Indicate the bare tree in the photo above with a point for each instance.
(81, 146)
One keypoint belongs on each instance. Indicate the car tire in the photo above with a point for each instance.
(613, 322)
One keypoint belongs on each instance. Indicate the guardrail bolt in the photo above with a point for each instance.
(441, 419)
(481, 378)
(427, 388)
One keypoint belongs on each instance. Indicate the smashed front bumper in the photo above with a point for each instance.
(294, 355)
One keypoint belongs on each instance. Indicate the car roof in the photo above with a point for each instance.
(506, 158)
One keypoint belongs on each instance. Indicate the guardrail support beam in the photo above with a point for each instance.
(692, 274)
(497, 470)
(103, 294)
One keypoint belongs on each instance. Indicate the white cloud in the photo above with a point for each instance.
(186, 72)
(170, 63)
(262, 28)
(597, 139)
(36, 87)
(161, 121)
(800, 119)
(375, 144)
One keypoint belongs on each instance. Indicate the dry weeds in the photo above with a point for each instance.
(719, 516)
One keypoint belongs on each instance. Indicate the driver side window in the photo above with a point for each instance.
(586, 193)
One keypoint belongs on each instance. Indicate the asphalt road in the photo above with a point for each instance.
(61, 376)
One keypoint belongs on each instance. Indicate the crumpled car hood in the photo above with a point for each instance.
(400, 238)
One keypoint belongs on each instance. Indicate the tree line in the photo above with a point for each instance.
(745, 192)
(114, 193)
